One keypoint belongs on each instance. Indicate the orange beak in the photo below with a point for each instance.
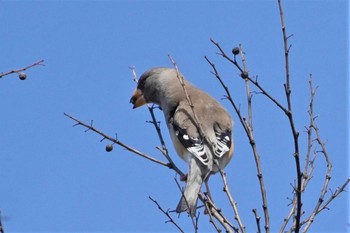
(137, 99)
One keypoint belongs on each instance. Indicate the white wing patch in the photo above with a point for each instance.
(223, 143)
(193, 145)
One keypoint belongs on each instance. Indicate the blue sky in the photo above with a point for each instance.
(54, 177)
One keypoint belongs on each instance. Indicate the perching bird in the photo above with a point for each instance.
(200, 142)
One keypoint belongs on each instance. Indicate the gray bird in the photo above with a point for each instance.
(162, 86)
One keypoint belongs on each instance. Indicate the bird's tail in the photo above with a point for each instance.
(188, 201)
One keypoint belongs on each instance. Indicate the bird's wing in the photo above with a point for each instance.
(186, 130)
(223, 140)
(193, 144)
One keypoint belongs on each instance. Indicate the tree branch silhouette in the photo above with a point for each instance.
(295, 133)
(116, 141)
(246, 126)
(297, 217)
(166, 213)
(38, 63)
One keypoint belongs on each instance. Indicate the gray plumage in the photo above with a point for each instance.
(162, 87)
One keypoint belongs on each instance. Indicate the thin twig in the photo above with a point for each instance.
(250, 136)
(255, 82)
(166, 214)
(334, 195)
(220, 219)
(215, 213)
(309, 163)
(229, 196)
(257, 219)
(134, 76)
(41, 62)
(228, 94)
(211, 217)
(116, 141)
(164, 149)
(289, 216)
(249, 94)
(223, 54)
(325, 154)
(299, 174)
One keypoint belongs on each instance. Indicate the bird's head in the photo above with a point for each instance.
(153, 86)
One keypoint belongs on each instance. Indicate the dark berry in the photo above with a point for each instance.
(109, 148)
(22, 75)
(235, 51)
(244, 74)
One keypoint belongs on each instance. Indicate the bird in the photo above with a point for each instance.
(201, 131)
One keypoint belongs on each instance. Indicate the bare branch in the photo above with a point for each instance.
(289, 216)
(302, 177)
(215, 213)
(334, 195)
(41, 62)
(166, 214)
(250, 136)
(245, 75)
(164, 149)
(249, 94)
(223, 54)
(211, 217)
(257, 219)
(314, 127)
(232, 202)
(299, 174)
(309, 163)
(134, 76)
(116, 141)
